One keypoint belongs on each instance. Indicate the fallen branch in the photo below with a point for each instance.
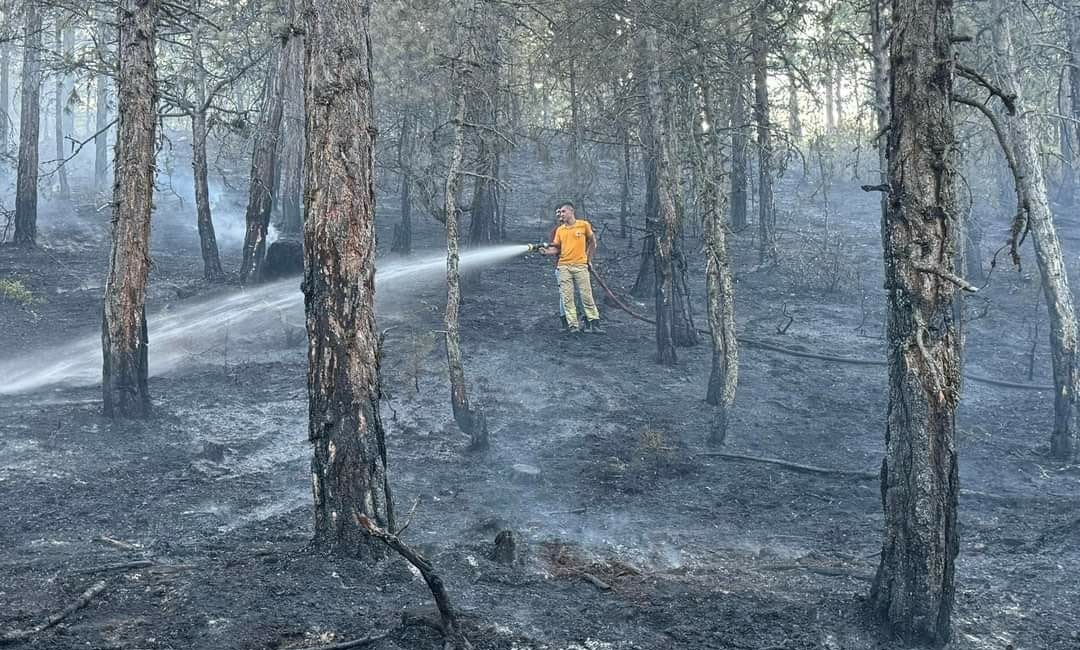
(434, 582)
(123, 546)
(596, 582)
(83, 601)
(123, 566)
(821, 570)
(355, 643)
(798, 467)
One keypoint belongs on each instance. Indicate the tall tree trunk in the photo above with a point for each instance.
(264, 168)
(406, 143)
(5, 80)
(469, 419)
(58, 104)
(577, 168)
(665, 238)
(348, 467)
(26, 189)
(830, 109)
(483, 97)
(739, 140)
(624, 193)
(292, 131)
(766, 225)
(719, 281)
(645, 283)
(212, 271)
(913, 590)
(101, 140)
(123, 333)
(1055, 277)
(794, 119)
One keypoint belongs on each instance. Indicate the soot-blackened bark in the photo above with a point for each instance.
(26, 186)
(348, 467)
(767, 253)
(123, 334)
(212, 271)
(264, 167)
(913, 590)
(1048, 253)
(470, 419)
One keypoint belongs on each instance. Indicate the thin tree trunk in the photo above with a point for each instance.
(26, 189)
(101, 151)
(624, 194)
(292, 131)
(719, 281)
(123, 333)
(576, 167)
(403, 231)
(794, 119)
(5, 81)
(739, 193)
(212, 271)
(348, 467)
(58, 105)
(645, 283)
(264, 169)
(913, 589)
(1055, 277)
(470, 420)
(767, 253)
(665, 240)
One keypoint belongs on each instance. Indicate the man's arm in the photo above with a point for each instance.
(590, 245)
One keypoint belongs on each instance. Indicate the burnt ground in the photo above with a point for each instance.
(696, 551)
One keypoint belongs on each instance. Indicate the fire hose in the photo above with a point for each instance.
(798, 353)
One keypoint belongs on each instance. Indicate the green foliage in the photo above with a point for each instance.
(14, 291)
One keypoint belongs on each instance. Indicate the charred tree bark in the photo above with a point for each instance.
(645, 283)
(58, 126)
(348, 467)
(212, 271)
(101, 109)
(483, 97)
(406, 143)
(794, 117)
(292, 132)
(5, 82)
(469, 419)
(739, 120)
(880, 72)
(26, 188)
(719, 281)
(767, 253)
(123, 333)
(264, 169)
(665, 238)
(1048, 254)
(624, 194)
(913, 589)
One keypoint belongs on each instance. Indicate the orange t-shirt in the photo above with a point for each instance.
(573, 242)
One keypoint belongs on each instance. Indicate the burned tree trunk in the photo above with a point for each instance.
(878, 28)
(483, 99)
(645, 283)
(123, 333)
(101, 108)
(624, 193)
(665, 237)
(264, 168)
(1052, 269)
(348, 467)
(5, 82)
(406, 143)
(719, 281)
(26, 188)
(292, 132)
(470, 420)
(794, 119)
(913, 589)
(212, 271)
(767, 253)
(58, 105)
(739, 194)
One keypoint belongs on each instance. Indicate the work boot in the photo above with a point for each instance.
(595, 327)
(565, 325)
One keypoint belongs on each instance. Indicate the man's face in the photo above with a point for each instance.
(565, 214)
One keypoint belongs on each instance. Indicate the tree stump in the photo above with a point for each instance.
(507, 545)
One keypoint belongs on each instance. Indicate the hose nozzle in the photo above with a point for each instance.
(538, 246)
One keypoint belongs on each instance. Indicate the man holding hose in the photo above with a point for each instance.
(575, 244)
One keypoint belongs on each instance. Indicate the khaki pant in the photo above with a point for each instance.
(571, 275)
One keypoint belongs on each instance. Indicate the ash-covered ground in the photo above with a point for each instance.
(198, 520)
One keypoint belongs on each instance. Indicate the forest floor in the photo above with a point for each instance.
(193, 526)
